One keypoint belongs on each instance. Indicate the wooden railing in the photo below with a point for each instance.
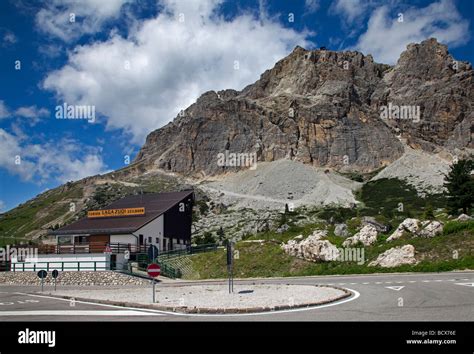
(91, 247)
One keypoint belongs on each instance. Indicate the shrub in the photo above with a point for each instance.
(457, 226)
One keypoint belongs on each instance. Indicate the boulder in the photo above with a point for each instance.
(341, 230)
(318, 234)
(369, 220)
(408, 225)
(395, 257)
(283, 228)
(313, 248)
(463, 217)
(432, 229)
(367, 236)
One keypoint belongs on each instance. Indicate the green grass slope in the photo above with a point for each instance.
(449, 251)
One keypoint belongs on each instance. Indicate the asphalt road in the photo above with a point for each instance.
(387, 297)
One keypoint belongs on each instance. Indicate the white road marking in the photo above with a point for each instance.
(365, 283)
(412, 281)
(378, 282)
(399, 282)
(388, 282)
(466, 284)
(426, 281)
(21, 302)
(356, 295)
(78, 313)
(396, 288)
(438, 280)
(92, 303)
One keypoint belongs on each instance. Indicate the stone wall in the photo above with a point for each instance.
(72, 278)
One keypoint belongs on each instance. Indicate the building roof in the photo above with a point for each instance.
(155, 204)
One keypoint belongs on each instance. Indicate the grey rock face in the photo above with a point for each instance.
(323, 108)
(341, 230)
(427, 76)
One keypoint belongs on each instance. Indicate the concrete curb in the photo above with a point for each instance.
(211, 311)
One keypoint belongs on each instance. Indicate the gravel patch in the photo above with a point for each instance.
(214, 298)
(274, 184)
(423, 171)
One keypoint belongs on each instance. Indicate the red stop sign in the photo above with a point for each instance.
(153, 270)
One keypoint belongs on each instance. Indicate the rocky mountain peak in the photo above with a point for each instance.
(323, 108)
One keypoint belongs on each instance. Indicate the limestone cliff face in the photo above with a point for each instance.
(324, 108)
(426, 75)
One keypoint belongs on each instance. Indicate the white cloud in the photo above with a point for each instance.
(33, 113)
(4, 112)
(2, 206)
(9, 38)
(143, 81)
(89, 17)
(311, 6)
(350, 10)
(386, 38)
(50, 161)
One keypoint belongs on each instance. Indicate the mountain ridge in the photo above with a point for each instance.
(316, 107)
(322, 107)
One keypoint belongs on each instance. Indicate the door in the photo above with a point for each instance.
(97, 243)
(113, 261)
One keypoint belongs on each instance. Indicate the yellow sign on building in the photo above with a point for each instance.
(115, 212)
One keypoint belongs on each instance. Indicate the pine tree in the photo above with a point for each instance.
(460, 186)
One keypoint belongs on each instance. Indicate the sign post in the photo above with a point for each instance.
(42, 274)
(54, 274)
(153, 271)
(230, 264)
(152, 252)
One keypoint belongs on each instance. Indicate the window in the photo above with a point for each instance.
(149, 239)
(177, 241)
(65, 240)
(157, 240)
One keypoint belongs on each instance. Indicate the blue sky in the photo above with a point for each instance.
(138, 63)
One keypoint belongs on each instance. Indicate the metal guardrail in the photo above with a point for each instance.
(171, 272)
(187, 250)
